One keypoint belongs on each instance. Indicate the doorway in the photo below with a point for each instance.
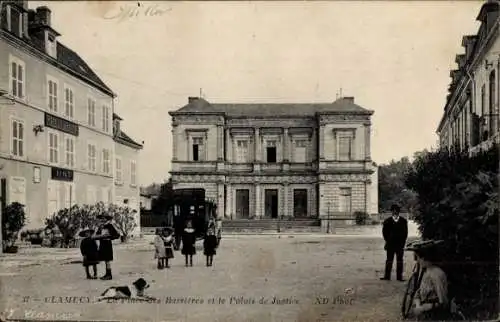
(300, 203)
(271, 200)
(242, 203)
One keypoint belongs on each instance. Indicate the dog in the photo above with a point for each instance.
(134, 291)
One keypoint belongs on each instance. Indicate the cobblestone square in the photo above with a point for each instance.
(254, 278)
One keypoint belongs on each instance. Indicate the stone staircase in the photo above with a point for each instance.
(237, 226)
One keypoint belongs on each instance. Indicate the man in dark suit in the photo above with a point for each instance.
(395, 232)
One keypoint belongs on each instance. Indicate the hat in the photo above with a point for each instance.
(168, 229)
(421, 246)
(395, 207)
(83, 232)
(104, 216)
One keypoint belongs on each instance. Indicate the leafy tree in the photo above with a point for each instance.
(392, 186)
(458, 203)
(124, 218)
(13, 220)
(165, 198)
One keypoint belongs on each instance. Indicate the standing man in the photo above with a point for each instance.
(395, 232)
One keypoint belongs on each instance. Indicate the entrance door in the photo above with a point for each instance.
(242, 203)
(271, 203)
(300, 203)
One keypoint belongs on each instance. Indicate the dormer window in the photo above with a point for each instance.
(51, 46)
(14, 20)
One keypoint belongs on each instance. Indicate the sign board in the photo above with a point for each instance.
(62, 174)
(61, 124)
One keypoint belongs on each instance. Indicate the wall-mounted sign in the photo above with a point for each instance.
(36, 175)
(61, 124)
(62, 174)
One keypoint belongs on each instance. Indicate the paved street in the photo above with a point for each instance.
(298, 269)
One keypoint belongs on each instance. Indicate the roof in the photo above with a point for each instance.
(491, 5)
(341, 105)
(117, 117)
(66, 58)
(73, 61)
(123, 138)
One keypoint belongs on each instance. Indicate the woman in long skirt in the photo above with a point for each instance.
(188, 243)
(106, 234)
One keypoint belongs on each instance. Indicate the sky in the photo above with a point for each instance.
(393, 57)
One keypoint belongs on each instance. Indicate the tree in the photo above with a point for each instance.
(392, 187)
(165, 198)
(458, 203)
(13, 220)
(124, 218)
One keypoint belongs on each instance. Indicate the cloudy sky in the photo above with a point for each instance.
(393, 57)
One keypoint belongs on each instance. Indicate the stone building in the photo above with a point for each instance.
(58, 140)
(471, 116)
(274, 160)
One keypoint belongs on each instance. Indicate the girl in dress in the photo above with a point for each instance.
(89, 250)
(106, 234)
(210, 244)
(168, 242)
(159, 243)
(188, 242)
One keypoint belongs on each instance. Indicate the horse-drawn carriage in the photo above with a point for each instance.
(190, 205)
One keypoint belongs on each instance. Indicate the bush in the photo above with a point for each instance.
(13, 220)
(66, 223)
(361, 217)
(458, 202)
(124, 218)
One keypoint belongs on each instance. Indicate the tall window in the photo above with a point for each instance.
(241, 151)
(299, 155)
(198, 151)
(69, 103)
(345, 200)
(15, 21)
(483, 113)
(106, 163)
(52, 94)
(345, 147)
(17, 78)
(492, 102)
(105, 119)
(118, 170)
(70, 151)
(17, 138)
(133, 173)
(53, 148)
(271, 151)
(91, 112)
(69, 194)
(91, 157)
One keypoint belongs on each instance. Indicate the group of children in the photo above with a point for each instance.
(164, 241)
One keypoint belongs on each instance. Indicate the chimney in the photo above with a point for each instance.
(349, 98)
(43, 16)
(192, 99)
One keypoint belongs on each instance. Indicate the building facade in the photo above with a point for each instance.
(471, 116)
(276, 160)
(57, 137)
